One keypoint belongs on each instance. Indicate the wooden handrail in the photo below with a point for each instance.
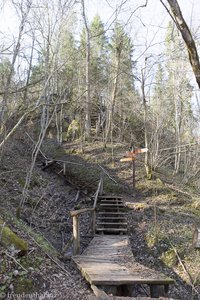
(75, 217)
(80, 211)
(98, 192)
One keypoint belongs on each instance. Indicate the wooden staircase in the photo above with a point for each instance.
(111, 217)
(108, 262)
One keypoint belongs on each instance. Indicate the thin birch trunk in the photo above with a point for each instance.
(113, 96)
(87, 75)
(147, 158)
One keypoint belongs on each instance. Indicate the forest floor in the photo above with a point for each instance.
(161, 220)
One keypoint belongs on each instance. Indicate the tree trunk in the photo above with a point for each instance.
(182, 26)
(114, 95)
(29, 73)
(147, 163)
(87, 75)
(15, 54)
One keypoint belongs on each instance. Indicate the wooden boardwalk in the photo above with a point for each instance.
(108, 261)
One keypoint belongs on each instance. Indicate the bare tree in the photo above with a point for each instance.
(182, 26)
(23, 10)
(148, 166)
(114, 93)
(87, 74)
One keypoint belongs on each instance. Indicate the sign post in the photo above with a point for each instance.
(133, 169)
(130, 156)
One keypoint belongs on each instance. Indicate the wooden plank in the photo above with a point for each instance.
(118, 266)
(112, 223)
(80, 211)
(108, 201)
(125, 159)
(112, 213)
(110, 197)
(111, 218)
(112, 229)
(64, 168)
(76, 235)
(100, 294)
(111, 200)
(92, 297)
(111, 205)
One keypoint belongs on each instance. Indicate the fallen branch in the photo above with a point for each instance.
(14, 128)
(68, 162)
(77, 196)
(185, 270)
(61, 171)
(48, 164)
(49, 256)
(35, 145)
(172, 187)
(17, 263)
(69, 243)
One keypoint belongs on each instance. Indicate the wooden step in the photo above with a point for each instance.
(110, 197)
(102, 263)
(111, 218)
(112, 223)
(111, 205)
(111, 201)
(112, 213)
(112, 229)
(110, 209)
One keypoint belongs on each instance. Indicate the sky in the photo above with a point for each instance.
(149, 18)
(145, 25)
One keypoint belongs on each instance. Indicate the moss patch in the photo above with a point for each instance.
(169, 258)
(8, 238)
(23, 285)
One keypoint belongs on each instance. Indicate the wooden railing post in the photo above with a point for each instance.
(76, 235)
(75, 218)
(93, 221)
(101, 187)
(64, 168)
(98, 192)
(196, 238)
(76, 230)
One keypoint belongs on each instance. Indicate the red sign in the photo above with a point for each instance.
(134, 152)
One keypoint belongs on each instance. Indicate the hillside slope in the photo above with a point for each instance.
(161, 220)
